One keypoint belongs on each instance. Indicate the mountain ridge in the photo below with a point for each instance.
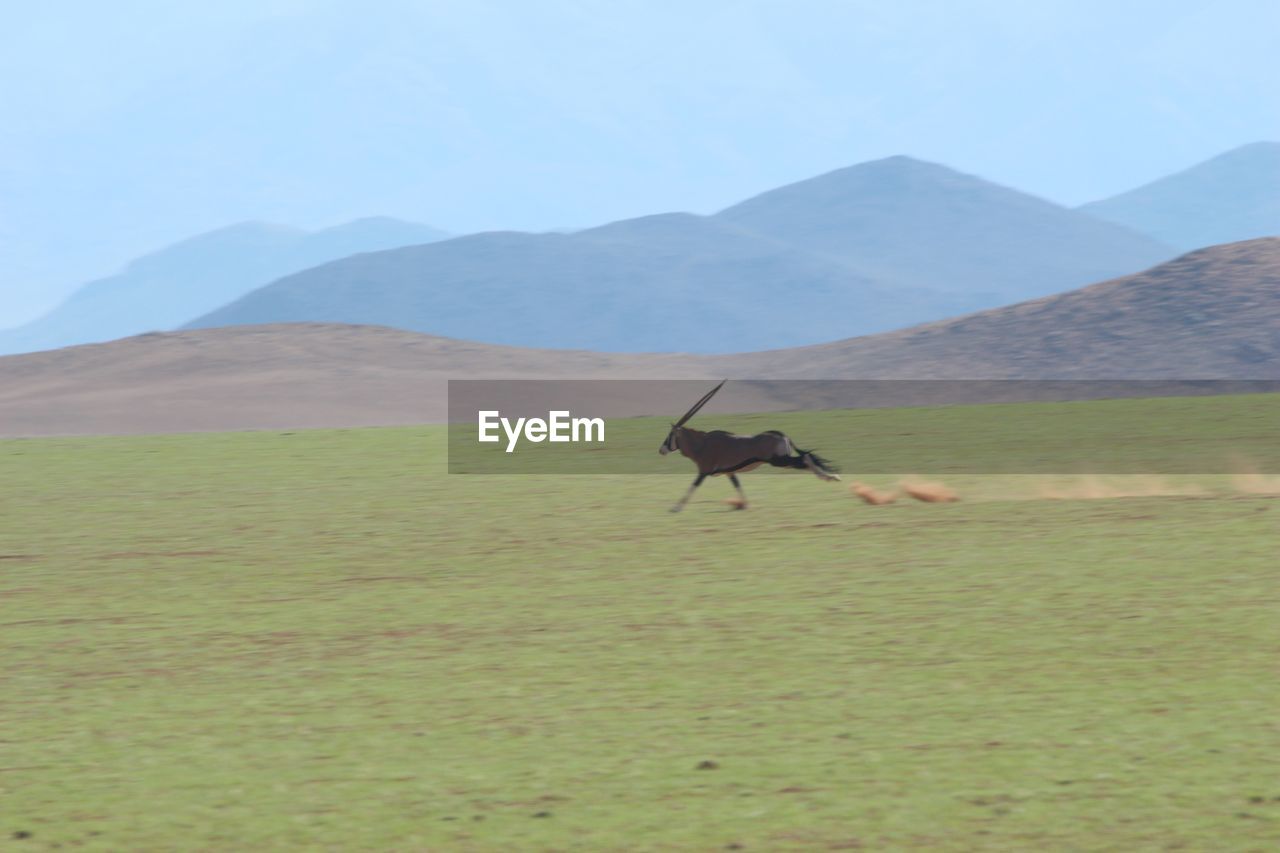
(756, 275)
(860, 213)
(1209, 314)
(1230, 197)
(164, 288)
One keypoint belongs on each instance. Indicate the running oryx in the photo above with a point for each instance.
(720, 452)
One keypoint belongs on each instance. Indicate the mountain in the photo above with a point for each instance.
(863, 250)
(666, 282)
(916, 224)
(1234, 196)
(169, 287)
(1210, 314)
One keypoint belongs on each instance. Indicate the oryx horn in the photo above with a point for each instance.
(698, 405)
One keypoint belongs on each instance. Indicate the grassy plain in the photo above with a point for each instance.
(320, 640)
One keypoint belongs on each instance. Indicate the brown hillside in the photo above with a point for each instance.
(1210, 314)
(271, 376)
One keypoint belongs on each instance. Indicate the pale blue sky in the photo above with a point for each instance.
(129, 125)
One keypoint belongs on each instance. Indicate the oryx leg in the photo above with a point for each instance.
(818, 470)
(742, 496)
(684, 500)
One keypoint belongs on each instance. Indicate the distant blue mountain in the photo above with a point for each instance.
(167, 288)
(1234, 196)
(867, 249)
(915, 224)
(670, 282)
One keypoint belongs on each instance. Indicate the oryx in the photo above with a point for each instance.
(720, 452)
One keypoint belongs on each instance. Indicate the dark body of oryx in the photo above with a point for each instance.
(719, 452)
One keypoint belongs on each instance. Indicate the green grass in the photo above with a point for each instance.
(320, 640)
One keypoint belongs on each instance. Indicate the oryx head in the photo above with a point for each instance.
(673, 441)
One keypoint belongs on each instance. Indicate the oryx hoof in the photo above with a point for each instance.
(676, 508)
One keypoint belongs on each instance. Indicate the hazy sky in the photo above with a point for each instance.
(129, 125)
